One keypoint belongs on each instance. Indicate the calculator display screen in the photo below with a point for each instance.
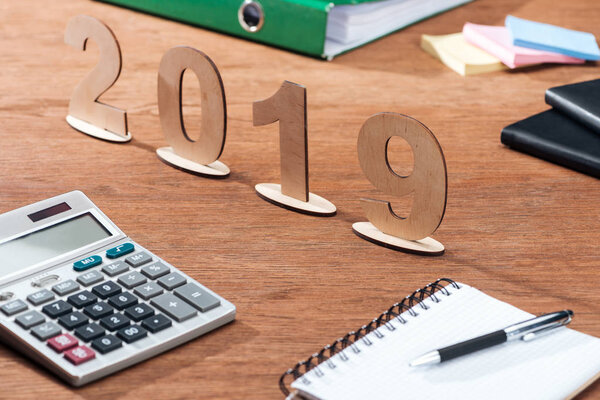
(49, 242)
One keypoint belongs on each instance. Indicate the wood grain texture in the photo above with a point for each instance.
(521, 229)
(427, 182)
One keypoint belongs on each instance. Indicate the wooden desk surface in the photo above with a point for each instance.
(520, 229)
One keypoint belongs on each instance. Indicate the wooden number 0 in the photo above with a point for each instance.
(288, 106)
(427, 183)
(86, 113)
(197, 157)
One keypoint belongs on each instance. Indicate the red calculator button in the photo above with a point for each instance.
(62, 342)
(80, 354)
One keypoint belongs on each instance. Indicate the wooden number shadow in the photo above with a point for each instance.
(196, 157)
(288, 106)
(86, 113)
(427, 183)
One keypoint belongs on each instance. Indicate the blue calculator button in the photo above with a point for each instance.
(120, 250)
(86, 263)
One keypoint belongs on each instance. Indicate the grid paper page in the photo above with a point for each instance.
(550, 367)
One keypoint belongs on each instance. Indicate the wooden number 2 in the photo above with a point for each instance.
(427, 181)
(214, 114)
(288, 106)
(84, 104)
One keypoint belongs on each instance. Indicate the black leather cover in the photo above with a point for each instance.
(552, 136)
(579, 101)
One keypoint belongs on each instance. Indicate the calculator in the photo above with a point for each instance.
(84, 300)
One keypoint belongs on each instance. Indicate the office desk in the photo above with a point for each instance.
(521, 229)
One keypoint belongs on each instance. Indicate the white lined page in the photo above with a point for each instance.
(550, 367)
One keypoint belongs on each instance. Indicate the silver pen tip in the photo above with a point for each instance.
(433, 357)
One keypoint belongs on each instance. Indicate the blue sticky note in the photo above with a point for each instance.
(536, 35)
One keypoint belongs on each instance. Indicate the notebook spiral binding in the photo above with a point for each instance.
(348, 340)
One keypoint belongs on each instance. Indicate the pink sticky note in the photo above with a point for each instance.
(496, 41)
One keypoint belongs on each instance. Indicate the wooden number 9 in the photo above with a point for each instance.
(214, 115)
(84, 105)
(427, 183)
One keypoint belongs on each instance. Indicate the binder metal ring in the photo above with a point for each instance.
(251, 16)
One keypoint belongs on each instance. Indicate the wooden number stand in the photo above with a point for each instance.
(86, 113)
(196, 157)
(427, 183)
(288, 106)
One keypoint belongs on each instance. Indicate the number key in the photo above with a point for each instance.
(89, 332)
(98, 310)
(56, 309)
(73, 320)
(106, 289)
(82, 299)
(139, 312)
(114, 322)
(107, 344)
(132, 333)
(123, 300)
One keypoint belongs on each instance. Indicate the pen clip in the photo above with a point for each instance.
(546, 329)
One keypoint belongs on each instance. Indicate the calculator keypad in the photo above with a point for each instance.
(111, 311)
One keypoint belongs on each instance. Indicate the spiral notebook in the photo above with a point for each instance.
(372, 363)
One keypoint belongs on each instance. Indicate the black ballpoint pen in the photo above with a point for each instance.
(526, 330)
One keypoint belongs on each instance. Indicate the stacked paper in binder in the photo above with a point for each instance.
(521, 43)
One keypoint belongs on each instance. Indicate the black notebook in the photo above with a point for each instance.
(578, 101)
(554, 137)
(372, 362)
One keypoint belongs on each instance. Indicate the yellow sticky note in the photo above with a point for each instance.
(464, 58)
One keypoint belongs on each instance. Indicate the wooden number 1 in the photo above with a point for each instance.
(288, 106)
(198, 157)
(86, 113)
(427, 183)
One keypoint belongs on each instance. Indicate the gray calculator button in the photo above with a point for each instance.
(139, 259)
(197, 297)
(174, 307)
(30, 319)
(65, 287)
(171, 281)
(148, 290)
(132, 279)
(115, 268)
(46, 331)
(89, 278)
(155, 270)
(15, 306)
(40, 297)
